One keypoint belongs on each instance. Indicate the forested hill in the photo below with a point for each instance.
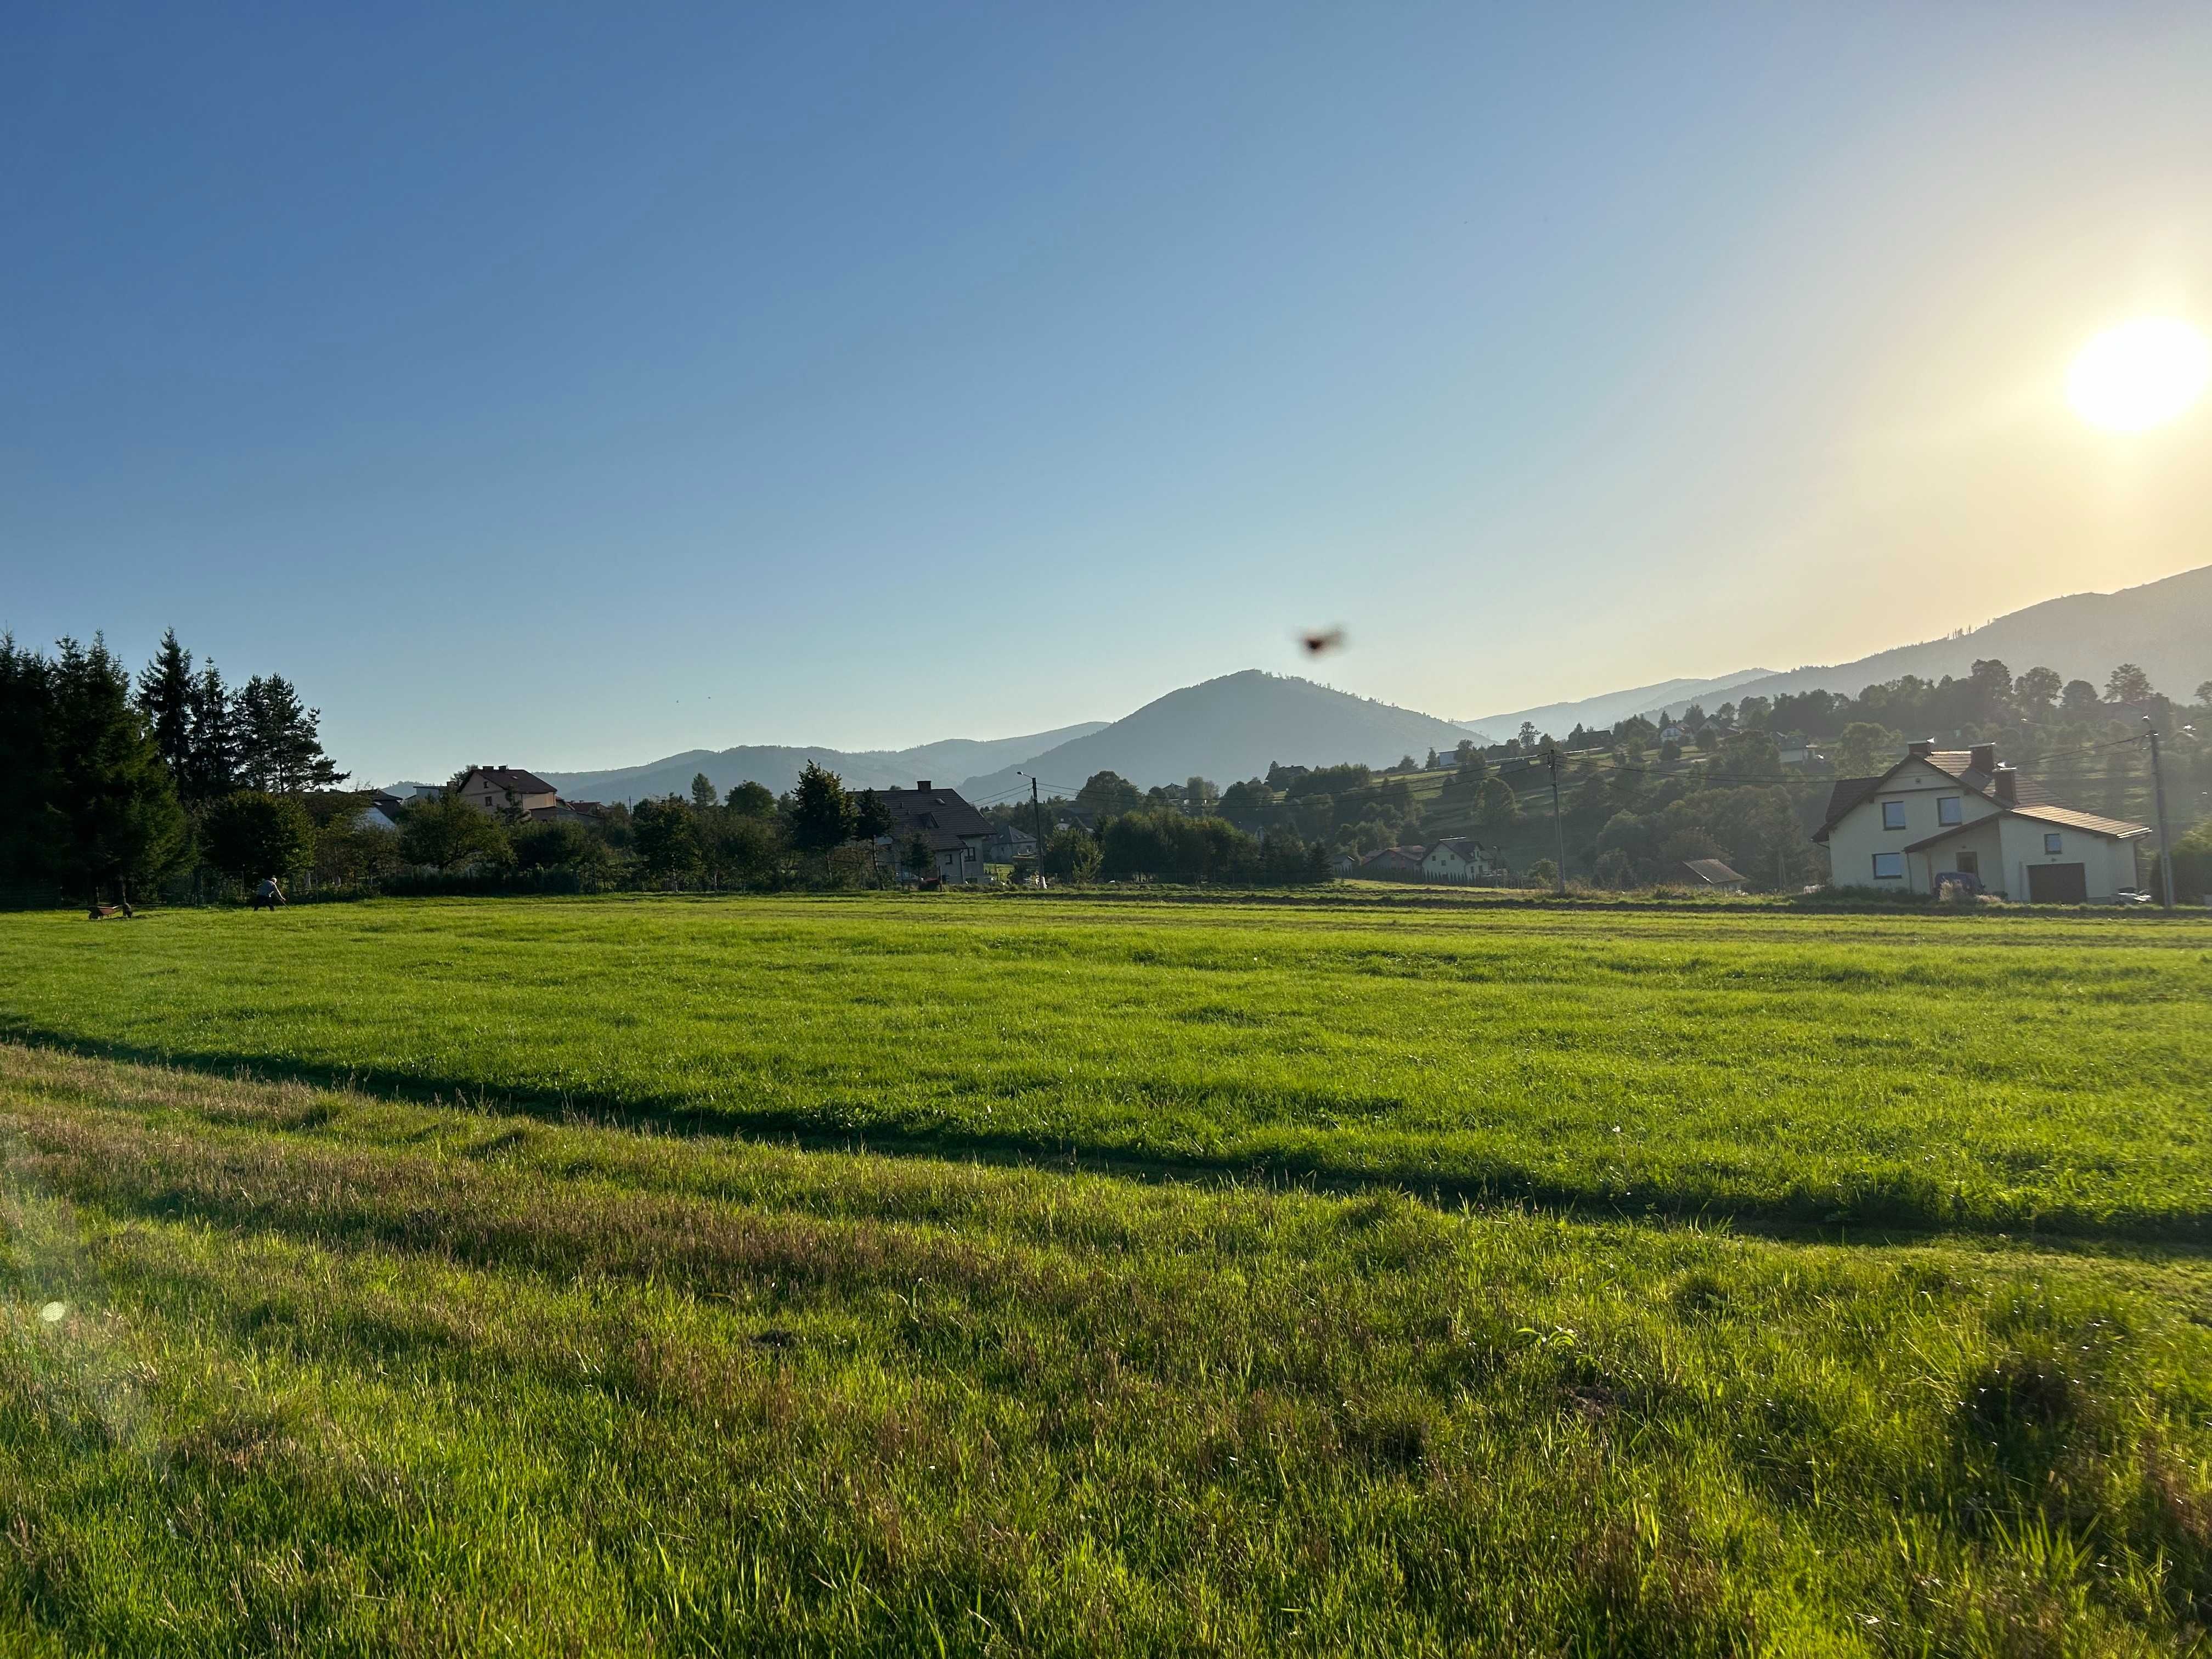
(1230, 728)
(2165, 627)
(777, 766)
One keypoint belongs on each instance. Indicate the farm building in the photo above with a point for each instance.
(1396, 862)
(1943, 812)
(1708, 875)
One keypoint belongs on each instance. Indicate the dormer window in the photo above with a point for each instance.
(1892, 815)
(1948, 809)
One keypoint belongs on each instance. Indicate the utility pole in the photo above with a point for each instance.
(1036, 827)
(1559, 830)
(2164, 841)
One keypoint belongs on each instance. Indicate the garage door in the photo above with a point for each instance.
(2058, 883)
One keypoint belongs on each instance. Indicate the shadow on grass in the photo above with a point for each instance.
(1897, 1207)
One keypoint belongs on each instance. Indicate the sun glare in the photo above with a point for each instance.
(2139, 373)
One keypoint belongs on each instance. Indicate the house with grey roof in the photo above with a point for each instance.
(958, 836)
(1942, 813)
(505, 788)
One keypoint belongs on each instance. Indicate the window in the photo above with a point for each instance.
(1889, 866)
(1970, 864)
(1947, 809)
(2053, 842)
(1892, 815)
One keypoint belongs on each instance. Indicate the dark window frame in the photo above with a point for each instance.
(1897, 875)
(1886, 824)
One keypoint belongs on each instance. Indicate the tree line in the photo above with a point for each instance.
(107, 784)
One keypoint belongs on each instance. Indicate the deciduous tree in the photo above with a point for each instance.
(447, 833)
(2128, 683)
(821, 812)
(250, 834)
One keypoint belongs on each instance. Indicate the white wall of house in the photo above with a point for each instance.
(1444, 864)
(1867, 848)
(2108, 863)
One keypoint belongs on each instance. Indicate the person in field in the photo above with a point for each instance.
(268, 895)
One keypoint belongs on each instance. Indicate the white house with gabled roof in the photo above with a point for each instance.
(1462, 858)
(1939, 812)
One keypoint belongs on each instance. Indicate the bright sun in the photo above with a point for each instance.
(2139, 373)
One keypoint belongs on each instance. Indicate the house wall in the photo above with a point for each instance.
(1985, 842)
(486, 798)
(2108, 864)
(966, 866)
(1859, 834)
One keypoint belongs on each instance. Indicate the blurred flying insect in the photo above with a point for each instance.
(1327, 639)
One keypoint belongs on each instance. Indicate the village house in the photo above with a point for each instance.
(496, 789)
(1460, 858)
(1942, 813)
(1008, 842)
(958, 836)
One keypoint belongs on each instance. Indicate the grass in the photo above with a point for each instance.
(1925, 1071)
(290, 1370)
(1002, 1276)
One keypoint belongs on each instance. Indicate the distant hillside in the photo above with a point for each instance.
(777, 767)
(2163, 627)
(1231, 728)
(1561, 717)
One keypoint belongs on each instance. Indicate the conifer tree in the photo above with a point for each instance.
(280, 747)
(25, 762)
(165, 698)
(211, 754)
(111, 804)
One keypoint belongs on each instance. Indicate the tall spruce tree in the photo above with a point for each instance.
(165, 698)
(280, 746)
(26, 763)
(111, 806)
(211, 754)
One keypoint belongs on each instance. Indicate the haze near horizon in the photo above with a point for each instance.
(575, 389)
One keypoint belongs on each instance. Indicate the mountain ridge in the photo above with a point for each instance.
(1231, 727)
(2163, 627)
(777, 766)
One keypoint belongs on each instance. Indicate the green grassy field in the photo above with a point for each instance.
(1921, 1072)
(492, 1276)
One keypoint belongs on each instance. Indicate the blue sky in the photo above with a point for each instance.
(568, 386)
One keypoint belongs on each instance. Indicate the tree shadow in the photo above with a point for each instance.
(1888, 1210)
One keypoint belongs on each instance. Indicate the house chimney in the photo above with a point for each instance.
(1983, 757)
(1920, 748)
(922, 785)
(2005, 779)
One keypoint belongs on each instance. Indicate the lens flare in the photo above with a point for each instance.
(2139, 375)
